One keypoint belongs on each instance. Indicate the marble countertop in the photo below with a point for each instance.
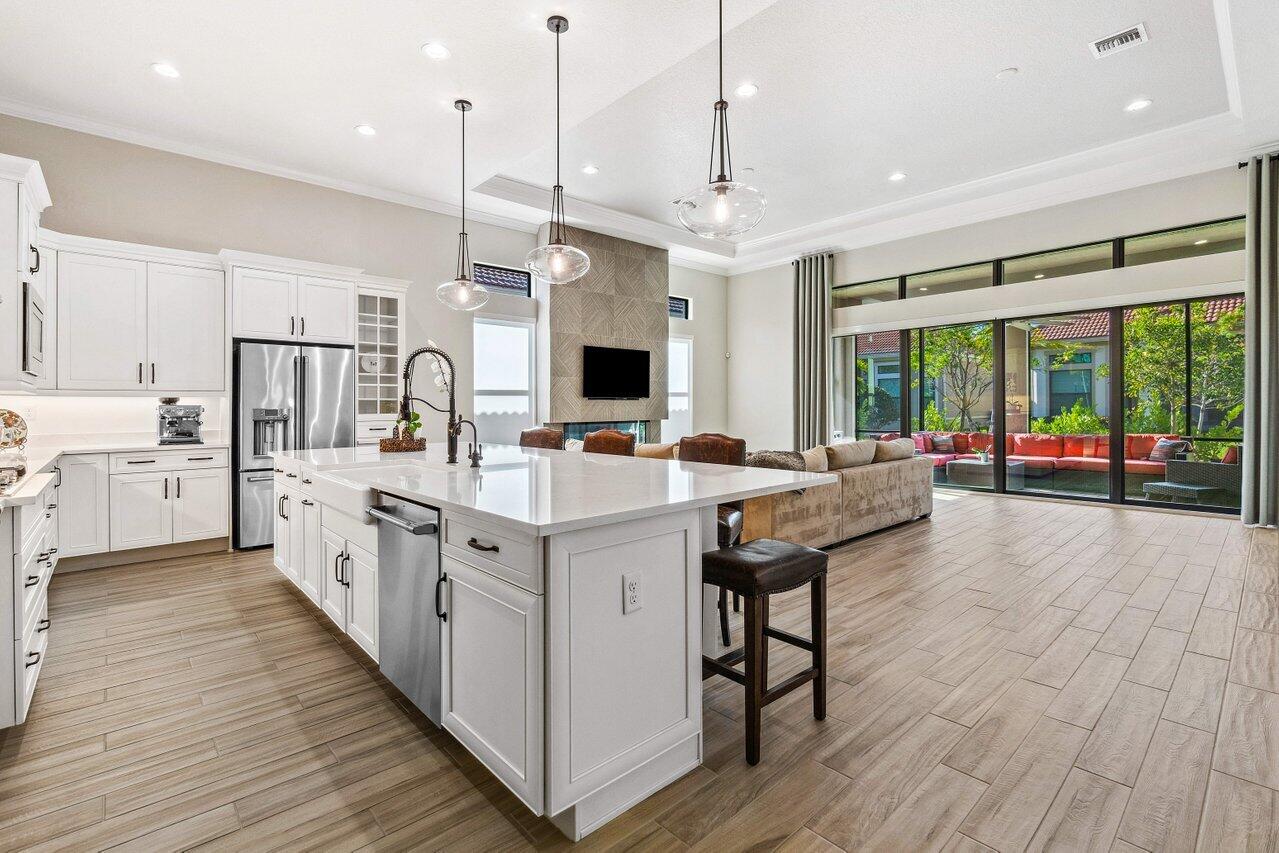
(549, 491)
(43, 452)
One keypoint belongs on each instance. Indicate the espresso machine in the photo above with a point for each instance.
(178, 424)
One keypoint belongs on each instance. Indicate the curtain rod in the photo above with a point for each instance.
(1243, 164)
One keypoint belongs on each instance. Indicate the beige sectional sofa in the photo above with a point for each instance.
(870, 495)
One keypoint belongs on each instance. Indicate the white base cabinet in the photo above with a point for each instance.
(84, 511)
(28, 557)
(143, 515)
(492, 676)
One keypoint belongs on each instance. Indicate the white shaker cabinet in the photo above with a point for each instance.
(186, 328)
(102, 322)
(141, 515)
(281, 306)
(360, 575)
(200, 503)
(332, 589)
(309, 574)
(264, 304)
(285, 552)
(492, 652)
(326, 311)
(84, 504)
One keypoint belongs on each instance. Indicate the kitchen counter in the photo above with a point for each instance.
(43, 453)
(544, 492)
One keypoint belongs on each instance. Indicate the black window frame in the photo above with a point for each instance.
(684, 312)
(502, 287)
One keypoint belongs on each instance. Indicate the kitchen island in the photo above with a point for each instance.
(571, 584)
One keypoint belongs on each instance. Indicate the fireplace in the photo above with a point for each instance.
(579, 430)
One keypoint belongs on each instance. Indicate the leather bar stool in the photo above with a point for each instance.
(756, 570)
(544, 437)
(611, 441)
(720, 449)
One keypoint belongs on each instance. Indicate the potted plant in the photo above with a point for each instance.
(408, 429)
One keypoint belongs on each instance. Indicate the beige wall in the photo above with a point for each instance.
(114, 190)
(761, 333)
(708, 327)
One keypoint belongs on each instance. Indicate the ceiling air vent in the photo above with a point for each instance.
(1122, 40)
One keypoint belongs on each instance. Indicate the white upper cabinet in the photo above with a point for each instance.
(326, 311)
(264, 304)
(126, 324)
(286, 307)
(186, 328)
(102, 322)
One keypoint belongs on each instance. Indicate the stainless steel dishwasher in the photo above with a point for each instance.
(409, 614)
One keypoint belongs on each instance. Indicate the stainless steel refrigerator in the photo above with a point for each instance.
(286, 397)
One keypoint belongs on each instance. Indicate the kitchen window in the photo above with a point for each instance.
(504, 386)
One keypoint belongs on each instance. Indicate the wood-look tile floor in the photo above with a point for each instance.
(1009, 675)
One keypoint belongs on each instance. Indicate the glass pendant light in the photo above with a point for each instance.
(463, 293)
(557, 261)
(724, 207)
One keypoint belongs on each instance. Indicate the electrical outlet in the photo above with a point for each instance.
(632, 594)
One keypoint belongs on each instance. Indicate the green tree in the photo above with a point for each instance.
(959, 359)
(1154, 369)
(1216, 369)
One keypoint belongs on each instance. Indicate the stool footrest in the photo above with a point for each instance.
(799, 678)
(787, 637)
(710, 667)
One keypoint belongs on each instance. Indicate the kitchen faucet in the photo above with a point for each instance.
(455, 420)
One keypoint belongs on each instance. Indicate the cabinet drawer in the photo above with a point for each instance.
(373, 430)
(28, 659)
(33, 514)
(503, 553)
(167, 460)
(34, 537)
(288, 472)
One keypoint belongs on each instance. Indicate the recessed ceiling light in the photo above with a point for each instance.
(366, 130)
(1200, 242)
(1006, 73)
(1138, 105)
(436, 51)
(897, 176)
(590, 169)
(747, 90)
(164, 69)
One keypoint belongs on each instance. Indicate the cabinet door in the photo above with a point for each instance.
(283, 556)
(309, 573)
(84, 502)
(141, 510)
(186, 328)
(492, 674)
(264, 304)
(28, 231)
(102, 322)
(46, 282)
(360, 572)
(332, 590)
(200, 504)
(326, 311)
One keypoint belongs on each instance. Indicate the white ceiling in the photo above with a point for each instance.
(850, 91)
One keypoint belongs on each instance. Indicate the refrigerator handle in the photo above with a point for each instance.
(302, 393)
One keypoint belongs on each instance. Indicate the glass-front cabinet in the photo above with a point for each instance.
(379, 353)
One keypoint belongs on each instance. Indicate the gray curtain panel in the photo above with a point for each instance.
(1261, 338)
(813, 276)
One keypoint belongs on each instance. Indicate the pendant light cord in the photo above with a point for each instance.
(719, 127)
(557, 106)
(721, 50)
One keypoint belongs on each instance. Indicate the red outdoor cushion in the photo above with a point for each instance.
(961, 442)
(1037, 445)
(940, 459)
(1231, 456)
(1139, 445)
(1045, 462)
(928, 441)
(1144, 466)
(890, 436)
(980, 441)
(920, 444)
(1009, 438)
(1081, 445)
(1082, 463)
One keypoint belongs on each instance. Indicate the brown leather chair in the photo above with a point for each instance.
(720, 449)
(544, 437)
(611, 441)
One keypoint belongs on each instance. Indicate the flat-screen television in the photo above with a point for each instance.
(611, 373)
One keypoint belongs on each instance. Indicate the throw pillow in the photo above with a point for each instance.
(943, 443)
(902, 448)
(815, 460)
(850, 454)
(782, 460)
(1232, 455)
(918, 438)
(1166, 449)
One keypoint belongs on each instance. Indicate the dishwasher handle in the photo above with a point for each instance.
(419, 528)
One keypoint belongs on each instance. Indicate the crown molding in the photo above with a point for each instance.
(235, 258)
(26, 172)
(20, 109)
(134, 251)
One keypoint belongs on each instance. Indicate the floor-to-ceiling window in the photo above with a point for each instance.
(504, 402)
(866, 385)
(955, 378)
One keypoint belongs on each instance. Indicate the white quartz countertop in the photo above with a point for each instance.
(549, 491)
(43, 452)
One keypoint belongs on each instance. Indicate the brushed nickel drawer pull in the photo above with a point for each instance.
(475, 543)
